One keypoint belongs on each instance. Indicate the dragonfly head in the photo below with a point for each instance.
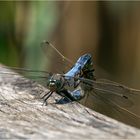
(52, 85)
(55, 83)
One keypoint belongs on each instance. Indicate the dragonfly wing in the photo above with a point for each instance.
(107, 107)
(115, 92)
(52, 54)
(39, 76)
(116, 95)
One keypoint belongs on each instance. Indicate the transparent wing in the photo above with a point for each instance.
(39, 76)
(113, 99)
(110, 108)
(58, 63)
(116, 93)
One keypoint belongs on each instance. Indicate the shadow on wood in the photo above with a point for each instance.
(23, 116)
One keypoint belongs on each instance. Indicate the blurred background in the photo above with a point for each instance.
(110, 31)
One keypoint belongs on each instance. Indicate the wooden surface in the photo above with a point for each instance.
(22, 115)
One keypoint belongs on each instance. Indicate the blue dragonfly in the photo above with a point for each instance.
(79, 83)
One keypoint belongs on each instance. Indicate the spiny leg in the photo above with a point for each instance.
(50, 93)
(45, 94)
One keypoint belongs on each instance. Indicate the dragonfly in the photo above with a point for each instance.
(79, 83)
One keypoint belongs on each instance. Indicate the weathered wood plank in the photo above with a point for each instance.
(23, 116)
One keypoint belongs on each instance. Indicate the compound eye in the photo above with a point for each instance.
(52, 85)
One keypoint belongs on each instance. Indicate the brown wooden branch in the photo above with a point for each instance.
(22, 115)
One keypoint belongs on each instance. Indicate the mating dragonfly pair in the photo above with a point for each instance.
(79, 80)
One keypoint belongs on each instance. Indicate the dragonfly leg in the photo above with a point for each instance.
(88, 73)
(69, 96)
(65, 99)
(45, 95)
(45, 101)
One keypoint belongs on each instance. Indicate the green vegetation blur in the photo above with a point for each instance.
(107, 30)
(8, 53)
(23, 26)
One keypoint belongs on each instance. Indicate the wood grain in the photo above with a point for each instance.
(22, 115)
